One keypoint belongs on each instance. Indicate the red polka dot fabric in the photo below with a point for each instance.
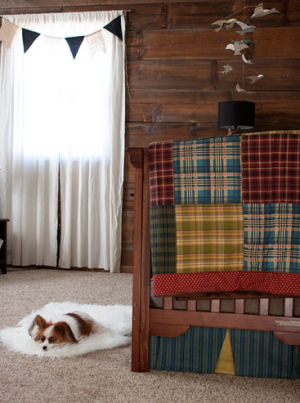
(183, 283)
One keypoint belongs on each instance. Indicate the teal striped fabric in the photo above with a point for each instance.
(255, 353)
(259, 354)
(195, 351)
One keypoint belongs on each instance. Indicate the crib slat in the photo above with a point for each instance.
(168, 303)
(264, 306)
(215, 305)
(191, 305)
(288, 307)
(239, 306)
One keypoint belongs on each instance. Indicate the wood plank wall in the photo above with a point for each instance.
(173, 62)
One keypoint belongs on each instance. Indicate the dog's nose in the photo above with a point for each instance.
(45, 348)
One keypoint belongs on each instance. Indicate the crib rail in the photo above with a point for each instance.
(177, 315)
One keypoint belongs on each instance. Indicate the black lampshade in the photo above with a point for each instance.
(236, 115)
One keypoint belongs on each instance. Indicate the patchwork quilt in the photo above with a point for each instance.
(225, 214)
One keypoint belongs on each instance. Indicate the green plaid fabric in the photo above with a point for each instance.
(209, 237)
(207, 170)
(260, 354)
(272, 234)
(163, 239)
(197, 350)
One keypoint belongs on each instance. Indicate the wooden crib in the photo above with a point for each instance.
(173, 315)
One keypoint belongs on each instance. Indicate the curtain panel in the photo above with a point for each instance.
(63, 123)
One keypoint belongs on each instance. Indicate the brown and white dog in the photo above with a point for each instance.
(70, 328)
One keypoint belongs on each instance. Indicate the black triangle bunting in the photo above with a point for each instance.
(115, 27)
(74, 44)
(28, 38)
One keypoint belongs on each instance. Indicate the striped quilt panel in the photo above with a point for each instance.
(255, 353)
(207, 170)
(209, 237)
(260, 354)
(197, 350)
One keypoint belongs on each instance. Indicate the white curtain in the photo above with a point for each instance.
(63, 118)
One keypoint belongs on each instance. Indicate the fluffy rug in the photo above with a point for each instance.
(115, 318)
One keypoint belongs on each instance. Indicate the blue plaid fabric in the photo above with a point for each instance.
(207, 170)
(272, 237)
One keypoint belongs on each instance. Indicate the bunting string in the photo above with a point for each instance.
(9, 30)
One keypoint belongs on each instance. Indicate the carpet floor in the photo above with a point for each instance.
(105, 376)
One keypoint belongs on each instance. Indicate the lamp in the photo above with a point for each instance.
(233, 115)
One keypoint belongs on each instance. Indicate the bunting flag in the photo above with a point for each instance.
(8, 31)
(74, 44)
(28, 38)
(115, 27)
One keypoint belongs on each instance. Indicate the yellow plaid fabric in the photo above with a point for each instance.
(209, 237)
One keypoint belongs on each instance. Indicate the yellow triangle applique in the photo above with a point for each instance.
(225, 364)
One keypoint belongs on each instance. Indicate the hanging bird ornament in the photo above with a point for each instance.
(245, 29)
(226, 69)
(226, 24)
(239, 89)
(253, 79)
(260, 11)
(237, 47)
(245, 60)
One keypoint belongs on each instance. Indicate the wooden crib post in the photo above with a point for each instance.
(141, 263)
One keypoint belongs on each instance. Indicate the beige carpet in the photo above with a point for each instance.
(105, 376)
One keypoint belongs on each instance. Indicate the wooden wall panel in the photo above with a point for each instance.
(199, 106)
(174, 59)
(169, 74)
(278, 75)
(275, 42)
(203, 13)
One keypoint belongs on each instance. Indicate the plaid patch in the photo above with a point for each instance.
(161, 174)
(271, 167)
(272, 237)
(207, 170)
(209, 238)
(163, 239)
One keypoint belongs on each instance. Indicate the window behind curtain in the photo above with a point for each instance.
(67, 113)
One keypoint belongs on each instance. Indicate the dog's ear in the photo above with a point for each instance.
(38, 324)
(65, 331)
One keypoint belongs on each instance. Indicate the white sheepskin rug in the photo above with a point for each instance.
(116, 320)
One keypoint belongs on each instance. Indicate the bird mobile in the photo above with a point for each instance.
(242, 47)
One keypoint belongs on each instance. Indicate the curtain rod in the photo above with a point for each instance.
(54, 11)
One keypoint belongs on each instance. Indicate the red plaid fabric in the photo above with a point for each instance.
(161, 174)
(183, 283)
(271, 168)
